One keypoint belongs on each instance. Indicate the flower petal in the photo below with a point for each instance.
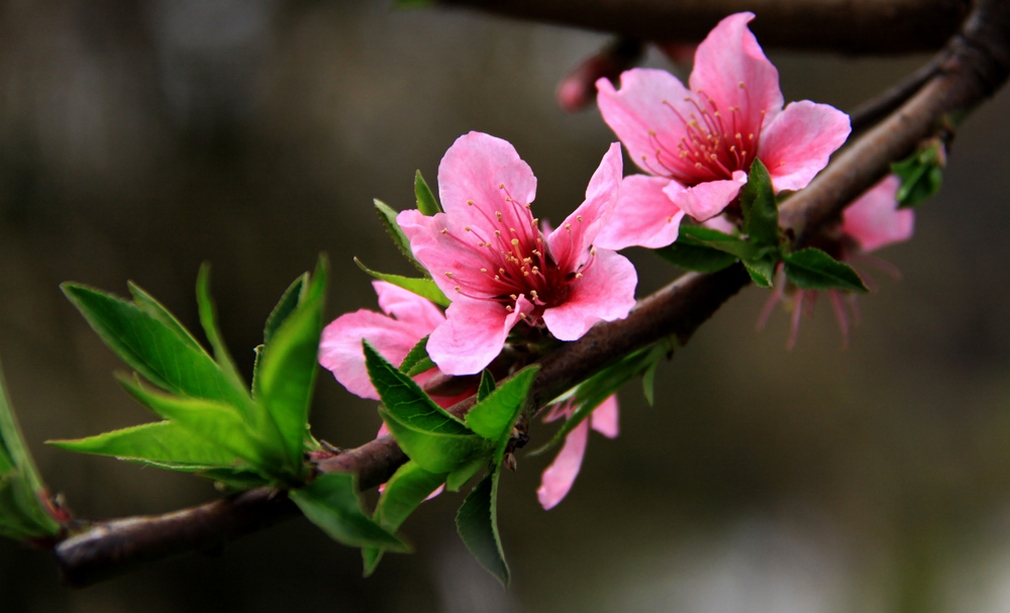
(453, 251)
(569, 245)
(408, 307)
(340, 348)
(560, 475)
(874, 220)
(604, 418)
(605, 292)
(732, 70)
(641, 114)
(644, 216)
(706, 200)
(799, 142)
(473, 334)
(475, 168)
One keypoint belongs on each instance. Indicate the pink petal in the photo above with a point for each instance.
(706, 200)
(721, 224)
(473, 334)
(604, 418)
(475, 168)
(732, 70)
(874, 220)
(799, 142)
(644, 216)
(560, 475)
(640, 113)
(605, 292)
(569, 244)
(340, 348)
(408, 307)
(453, 251)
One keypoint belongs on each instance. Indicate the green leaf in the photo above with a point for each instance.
(462, 473)
(438, 452)
(404, 492)
(290, 299)
(814, 269)
(388, 218)
(331, 502)
(417, 355)
(697, 258)
(649, 383)
(153, 348)
(477, 523)
(164, 444)
(423, 366)
(494, 416)
(208, 319)
(761, 271)
(229, 480)
(707, 237)
(426, 202)
(487, 385)
(287, 368)
(921, 173)
(215, 423)
(424, 288)
(760, 213)
(152, 307)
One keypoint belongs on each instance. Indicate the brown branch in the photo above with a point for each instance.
(973, 66)
(847, 26)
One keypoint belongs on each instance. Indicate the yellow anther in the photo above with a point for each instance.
(467, 228)
(508, 308)
(508, 198)
(457, 289)
(578, 275)
(513, 297)
(497, 232)
(568, 227)
(501, 186)
(515, 242)
(483, 270)
(512, 230)
(448, 274)
(469, 202)
(501, 271)
(498, 215)
(578, 217)
(444, 230)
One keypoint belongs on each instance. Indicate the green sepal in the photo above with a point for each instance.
(760, 212)
(331, 502)
(424, 288)
(487, 385)
(921, 173)
(409, 486)
(286, 369)
(761, 270)
(290, 299)
(388, 218)
(814, 269)
(426, 201)
(477, 524)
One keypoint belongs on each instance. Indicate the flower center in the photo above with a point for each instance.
(713, 144)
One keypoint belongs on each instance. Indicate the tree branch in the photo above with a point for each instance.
(847, 26)
(974, 64)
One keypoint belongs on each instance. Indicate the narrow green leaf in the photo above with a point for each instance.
(697, 258)
(649, 383)
(424, 288)
(814, 269)
(208, 319)
(331, 502)
(388, 218)
(164, 444)
(437, 452)
(21, 513)
(426, 202)
(424, 365)
(287, 368)
(405, 400)
(458, 477)
(151, 306)
(290, 299)
(417, 354)
(700, 236)
(404, 492)
(487, 385)
(494, 416)
(477, 523)
(231, 480)
(760, 213)
(921, 173)
(152, 348)
(761, 271)
(215, 423)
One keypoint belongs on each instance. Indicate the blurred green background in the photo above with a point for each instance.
(140, 138)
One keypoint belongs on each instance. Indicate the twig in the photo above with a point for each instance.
(853, 26)
(974, 65)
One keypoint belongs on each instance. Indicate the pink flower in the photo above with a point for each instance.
(408, 318)
(560, 475)
(874, 220)
(699, 143)
(499, 266)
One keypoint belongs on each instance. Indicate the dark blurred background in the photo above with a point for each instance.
(140, 138)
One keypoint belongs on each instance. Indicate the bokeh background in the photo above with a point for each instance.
(140, 138)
